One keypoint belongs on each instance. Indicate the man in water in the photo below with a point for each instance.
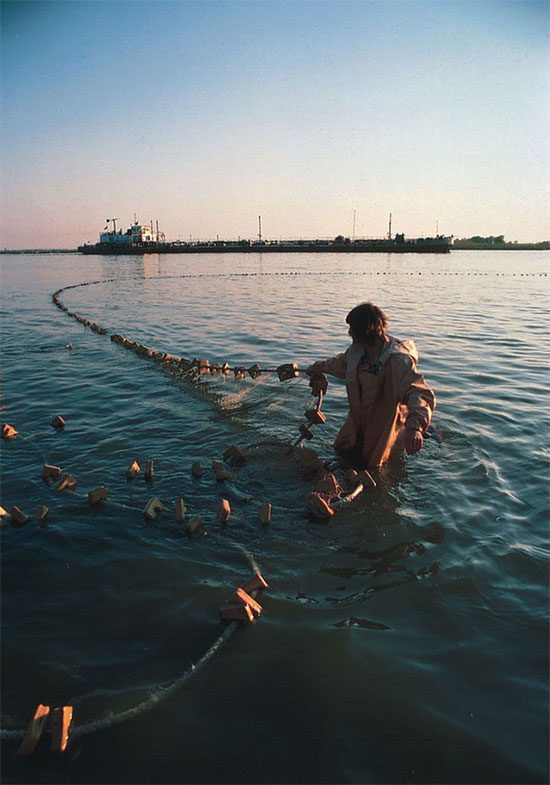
(390, 403)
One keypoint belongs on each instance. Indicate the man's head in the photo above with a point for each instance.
(367, 323)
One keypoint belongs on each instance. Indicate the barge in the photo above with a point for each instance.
(140, 239)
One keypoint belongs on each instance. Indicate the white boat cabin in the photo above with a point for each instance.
(135, 235)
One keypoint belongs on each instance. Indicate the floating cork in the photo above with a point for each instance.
(237, 613)
(366, 478)
(152, 507)
(243, 598)
(8, 431)
(224, 510)
(217, 466)
(194, 524)
(288, 371)
(234, 456)
(239, 372)
(35, 730)
(133, 470)
(62, 718)
(318, 506)
(196, 469)
(315, 416)
(69, 346)
(51, 472)
(180, 509)
(41, 513)
(57, 421)
(254, 371)
(66, 483)
(98, 495)
(149, 471)
(18, 517)
(255, 582)
(265, 513)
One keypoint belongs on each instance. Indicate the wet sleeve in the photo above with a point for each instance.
(419, 398)
(335, 366)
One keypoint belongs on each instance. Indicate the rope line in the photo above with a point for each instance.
(192, 369)
(154, 699)
(160, 693)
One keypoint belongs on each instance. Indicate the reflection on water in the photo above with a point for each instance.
(447, 557)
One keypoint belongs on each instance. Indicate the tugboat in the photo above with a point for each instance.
(137, 239)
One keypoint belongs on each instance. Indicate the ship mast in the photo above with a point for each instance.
(389, 229)
(260, 228)
(353, 233)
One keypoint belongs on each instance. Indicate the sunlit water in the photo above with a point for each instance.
(404, 642)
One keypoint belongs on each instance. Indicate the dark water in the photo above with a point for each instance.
(405, 642)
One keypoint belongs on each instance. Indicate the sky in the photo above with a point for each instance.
(205, 115)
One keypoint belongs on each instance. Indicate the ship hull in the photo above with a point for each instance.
(375, 246)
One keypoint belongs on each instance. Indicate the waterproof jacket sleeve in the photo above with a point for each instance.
(415, 393)
(335, 366)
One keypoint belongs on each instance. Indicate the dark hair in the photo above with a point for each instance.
(366, 319)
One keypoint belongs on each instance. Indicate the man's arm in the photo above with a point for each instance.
(420, 400)
(335, 366)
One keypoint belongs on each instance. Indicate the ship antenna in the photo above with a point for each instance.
(389, 230)
(260, 228)
(353, 233)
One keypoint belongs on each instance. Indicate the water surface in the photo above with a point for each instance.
(405, 642)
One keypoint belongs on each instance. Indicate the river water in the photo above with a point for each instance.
(404, 642)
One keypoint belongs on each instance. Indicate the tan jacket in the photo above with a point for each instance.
(381, 405)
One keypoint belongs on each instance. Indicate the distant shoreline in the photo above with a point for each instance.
(38, 250)
(464, 245)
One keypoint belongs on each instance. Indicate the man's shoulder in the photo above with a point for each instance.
(401, 352)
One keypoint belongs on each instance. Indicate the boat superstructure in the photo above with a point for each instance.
(139, 238)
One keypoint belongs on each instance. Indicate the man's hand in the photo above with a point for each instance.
(318, 384)
(413, 440)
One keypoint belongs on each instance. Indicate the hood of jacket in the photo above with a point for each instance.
(395, 346)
